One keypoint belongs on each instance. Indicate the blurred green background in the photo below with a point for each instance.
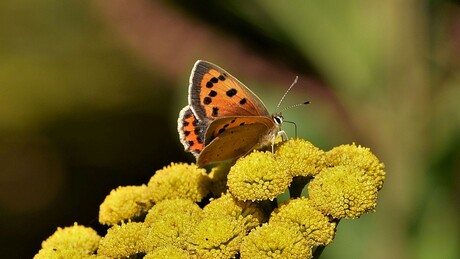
(90, 93)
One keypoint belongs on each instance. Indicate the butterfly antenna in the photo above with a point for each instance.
(287, 91)
(295, 105)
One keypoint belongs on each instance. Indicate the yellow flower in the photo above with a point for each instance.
(301, 157)
(170, 223)
(258, 176)
(360, 157)
(169, 252)
(125, 203)
(123, 240)
(179, 181)
(314, 226)
(251, 213)
(275, 240)
(343, 192)
(216, 237)
(68, 242)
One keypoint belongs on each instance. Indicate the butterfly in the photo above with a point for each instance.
(223, 119)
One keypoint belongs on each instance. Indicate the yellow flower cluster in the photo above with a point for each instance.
(183, 212)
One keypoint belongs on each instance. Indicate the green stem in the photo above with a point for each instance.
(319, 250)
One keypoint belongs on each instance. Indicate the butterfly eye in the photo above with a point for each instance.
(278, 119)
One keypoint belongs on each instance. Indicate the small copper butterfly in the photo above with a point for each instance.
(223, 119)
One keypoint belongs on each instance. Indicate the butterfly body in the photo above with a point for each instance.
(224, 119)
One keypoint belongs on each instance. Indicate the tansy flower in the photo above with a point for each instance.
(314, 226)
(258, 176)
(216, 237)
(250, 213)
(169, 252)
(170, 223)
(125, 203)
(300, 157)
(360, 157)
(343, 192)
(70, 242)
(179, 181)
(341, 183)
(275, 240)
(122, 241)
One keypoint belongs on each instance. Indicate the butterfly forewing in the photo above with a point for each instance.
(215, 93)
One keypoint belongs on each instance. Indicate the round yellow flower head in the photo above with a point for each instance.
(250, 213)
(343, 192)
(301, 157)
(258, 176)
(125, 203)
(170, 222)
(169, 252)
(179, 181)
(216, 237)
(360, 157)
(76, 240)
(122, 241)
(275, 240)
(314, 226)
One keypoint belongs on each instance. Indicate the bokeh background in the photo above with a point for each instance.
(90, 93)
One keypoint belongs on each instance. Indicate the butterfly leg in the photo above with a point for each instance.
(283, 135)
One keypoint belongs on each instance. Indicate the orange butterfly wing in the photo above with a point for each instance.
(191, 131)
(215, 93)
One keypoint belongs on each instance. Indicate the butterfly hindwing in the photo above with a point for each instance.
(191, 131)
(215, 93)
(232, 143)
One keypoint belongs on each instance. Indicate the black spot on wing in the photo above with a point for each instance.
(231, 92)
(215, 111)
(207, 100)
(212, 93)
